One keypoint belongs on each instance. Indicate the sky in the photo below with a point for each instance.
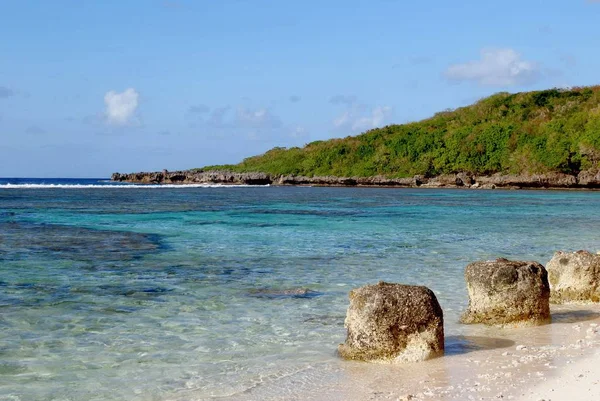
(88, 88)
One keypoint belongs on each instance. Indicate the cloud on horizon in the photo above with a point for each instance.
(243, 123)
(256, 119)
(121, 107)
(359, 118)
(496, 67)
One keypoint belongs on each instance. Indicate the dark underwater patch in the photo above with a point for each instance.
(11, 368)
(325, 320)
(249, 224)
(18, 239)
(269, 293)
(126, 290)
(302, 212)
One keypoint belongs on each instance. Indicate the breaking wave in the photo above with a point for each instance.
(121, 186)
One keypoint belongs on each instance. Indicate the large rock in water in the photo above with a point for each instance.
(393, 322)
(574, 277)
(505, 292)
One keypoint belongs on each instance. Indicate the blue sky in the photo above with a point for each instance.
(88, 88)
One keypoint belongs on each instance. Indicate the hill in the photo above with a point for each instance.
(528, 133)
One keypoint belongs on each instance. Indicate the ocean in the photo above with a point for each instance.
(128, 292)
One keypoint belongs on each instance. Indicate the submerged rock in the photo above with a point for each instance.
(393, 322)
(574, 277)
(504, 292)
(285, 293)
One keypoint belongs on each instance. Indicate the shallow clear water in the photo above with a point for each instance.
(199, 293)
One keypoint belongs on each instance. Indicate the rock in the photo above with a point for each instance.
(441, 181)
(394, 323)
(464, 179)
(589, 178)
(585, 179)
(504, 292)
(574, 277)
(195, 177)
(448, 181)
(549, 180)
(381, 181)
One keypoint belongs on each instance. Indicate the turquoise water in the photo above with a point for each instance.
(135, 293)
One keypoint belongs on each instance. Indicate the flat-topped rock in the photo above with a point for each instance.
(503, 292)
(393, 323)
(574, 277)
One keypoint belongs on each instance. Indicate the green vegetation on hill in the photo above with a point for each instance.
(531, 132)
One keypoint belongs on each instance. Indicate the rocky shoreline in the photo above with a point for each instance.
(588, 179)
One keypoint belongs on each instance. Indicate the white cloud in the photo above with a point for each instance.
(496, 67)
(121, 107)
(359, 118)
(299, 132)
(342, 120)
(375, 119)
(246, 125)
(259, 118)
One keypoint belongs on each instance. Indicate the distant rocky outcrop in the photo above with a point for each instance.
(586, 180)
(394, 323)
(194, 177)
(574, 277)
(505, 292)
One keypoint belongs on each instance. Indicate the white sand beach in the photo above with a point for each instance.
(579, 380)
(559, 361)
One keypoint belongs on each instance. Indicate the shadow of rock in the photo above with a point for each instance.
(574, 316)
(458, 345)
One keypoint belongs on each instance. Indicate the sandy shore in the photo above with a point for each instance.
(578, 381)
(559, 361)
